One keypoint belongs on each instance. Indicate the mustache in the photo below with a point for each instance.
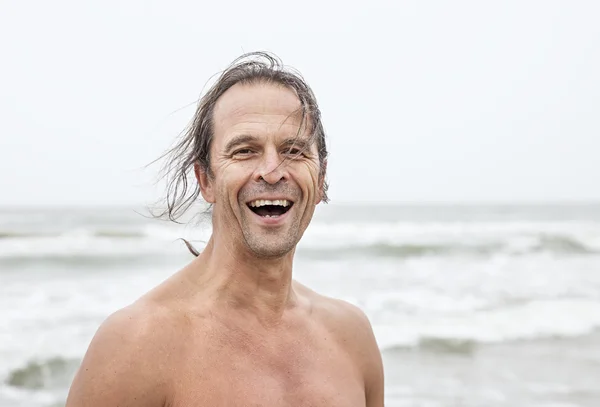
(264, 188)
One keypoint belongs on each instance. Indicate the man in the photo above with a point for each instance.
(232, 328)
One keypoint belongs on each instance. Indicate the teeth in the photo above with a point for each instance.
(263, 202)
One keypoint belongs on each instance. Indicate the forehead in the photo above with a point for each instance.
(256, 107)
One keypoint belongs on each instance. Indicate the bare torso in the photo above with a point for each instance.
(223, 356)
(183, 353)
(300, 362)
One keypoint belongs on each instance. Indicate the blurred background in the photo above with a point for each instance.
(464, 166)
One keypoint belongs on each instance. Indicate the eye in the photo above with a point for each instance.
(293, 151)
(243, 152)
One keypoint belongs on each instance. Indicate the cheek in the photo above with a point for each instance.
(230, 174)
(233, 180)
(308, 175)
(314, 170)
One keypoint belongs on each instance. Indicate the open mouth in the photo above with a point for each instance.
(270, 209)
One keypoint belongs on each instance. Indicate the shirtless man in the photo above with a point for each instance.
(232, 328)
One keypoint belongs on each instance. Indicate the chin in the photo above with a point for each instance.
(264, 249)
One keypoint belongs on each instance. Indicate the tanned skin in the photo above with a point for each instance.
(233, 328)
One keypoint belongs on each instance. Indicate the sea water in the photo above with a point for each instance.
(471, 305)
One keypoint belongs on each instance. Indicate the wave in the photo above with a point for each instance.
(409, 239)
(563, 244)
(456, 346)
(93, 261)
(90, 246)
(400, 250)
(100, 233)
(50, 373)
(6, 234)
(542, 244)
(396, 240)
(463, 333)
(120, 234)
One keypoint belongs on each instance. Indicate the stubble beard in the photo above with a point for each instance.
(270, 243)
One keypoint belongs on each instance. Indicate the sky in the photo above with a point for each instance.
(422, 101)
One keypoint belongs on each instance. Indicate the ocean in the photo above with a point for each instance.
(480, 305)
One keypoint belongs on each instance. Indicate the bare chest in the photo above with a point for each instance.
(298, 373)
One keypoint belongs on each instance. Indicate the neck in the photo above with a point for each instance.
(237, 279)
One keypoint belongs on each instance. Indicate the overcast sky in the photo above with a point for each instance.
(421, 100)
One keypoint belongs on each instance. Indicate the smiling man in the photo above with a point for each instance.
(233, 328)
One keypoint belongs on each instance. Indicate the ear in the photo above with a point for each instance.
(205, 183)
(322, 174)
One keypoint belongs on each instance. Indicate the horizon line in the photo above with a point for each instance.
(465, 203)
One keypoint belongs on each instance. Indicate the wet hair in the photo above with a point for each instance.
(195, 143)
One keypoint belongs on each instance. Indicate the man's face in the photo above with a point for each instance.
(264, 192)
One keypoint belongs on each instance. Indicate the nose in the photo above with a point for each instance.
(271, 168)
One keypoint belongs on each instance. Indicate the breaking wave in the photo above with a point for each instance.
(542, 244)
(398, 240)
(456, 346)
(50, 373)
(462, 333)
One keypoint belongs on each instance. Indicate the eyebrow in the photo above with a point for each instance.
(237, 140)
(301, 143)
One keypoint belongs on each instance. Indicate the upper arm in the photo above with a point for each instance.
(374, 376)
(367, 353)
(120, 367)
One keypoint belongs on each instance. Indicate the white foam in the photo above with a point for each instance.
(533, 320)
(518, 235)
(92, 242)
(150, 237)
(22, 397)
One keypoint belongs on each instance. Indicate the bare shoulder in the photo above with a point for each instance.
(354, 333)
(125, 362)
(345, 319)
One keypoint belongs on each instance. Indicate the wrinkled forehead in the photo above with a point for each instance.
(260, 104)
